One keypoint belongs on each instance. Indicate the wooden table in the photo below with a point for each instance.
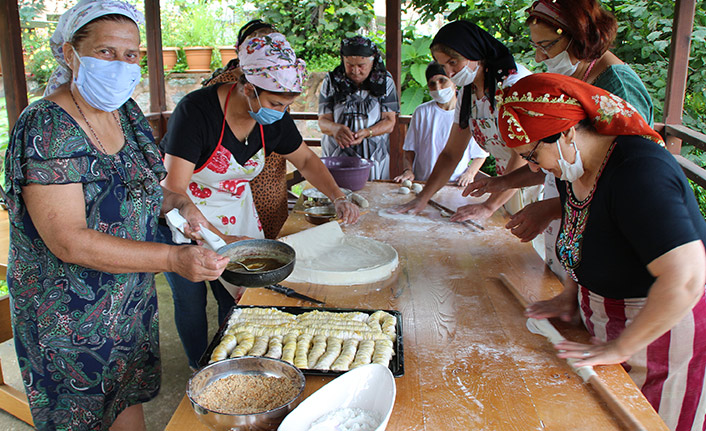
(470, 362)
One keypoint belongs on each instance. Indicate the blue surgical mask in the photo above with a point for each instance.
(106, 85)
(264, 115)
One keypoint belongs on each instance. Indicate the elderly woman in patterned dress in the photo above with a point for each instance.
(82, 174)
(358, 106)
(631, 238)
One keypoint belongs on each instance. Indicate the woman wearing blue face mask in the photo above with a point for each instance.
(216, 143)
(82, 175)
(480, 64)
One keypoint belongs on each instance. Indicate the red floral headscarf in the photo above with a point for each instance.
(544, 104)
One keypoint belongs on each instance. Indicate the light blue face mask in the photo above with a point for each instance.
(106, 85)
(264, 115)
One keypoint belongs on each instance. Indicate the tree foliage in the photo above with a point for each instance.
(315, 27)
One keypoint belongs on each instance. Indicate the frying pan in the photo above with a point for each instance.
(267, 248)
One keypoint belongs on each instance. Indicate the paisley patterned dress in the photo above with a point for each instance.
(87, 341)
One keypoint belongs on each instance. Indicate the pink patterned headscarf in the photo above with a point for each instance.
(270, 63)
(73, 19)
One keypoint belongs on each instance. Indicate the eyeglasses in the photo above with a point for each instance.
(530, 156)
(546, 47)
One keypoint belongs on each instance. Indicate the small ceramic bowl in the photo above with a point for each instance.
(320, 214)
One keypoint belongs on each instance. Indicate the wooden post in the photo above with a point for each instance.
(155, 65)
(678, 67)
(393, 60)
(13, 71)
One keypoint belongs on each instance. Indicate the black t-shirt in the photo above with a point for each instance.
(195, 127)
(642, 208)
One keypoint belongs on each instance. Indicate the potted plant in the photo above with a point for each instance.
(199, 32)
(227, 54)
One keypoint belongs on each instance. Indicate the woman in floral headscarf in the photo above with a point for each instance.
(215, 144)
(82, 177)
(631, 238)
(358, 106)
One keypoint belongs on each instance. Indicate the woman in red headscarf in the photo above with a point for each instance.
(631, 238)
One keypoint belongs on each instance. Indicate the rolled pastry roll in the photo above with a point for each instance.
(343, 362)
(364, 354)
(333, 349)
(245, 343)
(317, 349)
(289, 347)
(303, 344)
(383, 352)
(218, 354)
(228, 343)
(274, 348)
(260, 346)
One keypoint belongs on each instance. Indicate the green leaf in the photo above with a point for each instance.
(410, 99)
(418, 72)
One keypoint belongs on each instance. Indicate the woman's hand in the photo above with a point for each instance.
(406, 175)
(344, 136)
(196, 263)
(531, 220)
(347, 211)
(472, 212)
(485, 185)
(195, 218)
(565, 306)
(466, 178)
(415, 206)
(596, 353)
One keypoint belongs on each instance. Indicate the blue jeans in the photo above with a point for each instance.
(190, 307)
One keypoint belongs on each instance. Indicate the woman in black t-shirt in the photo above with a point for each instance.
(631, 239)
(216, 143)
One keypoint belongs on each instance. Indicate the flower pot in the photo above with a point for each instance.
(198, 58)
(227, 54)
(169, 57)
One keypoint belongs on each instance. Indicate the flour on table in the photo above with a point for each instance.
(324, 255)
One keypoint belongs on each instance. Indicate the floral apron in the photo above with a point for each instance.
(221, 188)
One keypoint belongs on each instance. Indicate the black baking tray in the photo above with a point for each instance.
(396, 363)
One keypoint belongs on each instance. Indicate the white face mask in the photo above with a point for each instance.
(570, 171)
(465, 76)
(561, 64)
(444, 95)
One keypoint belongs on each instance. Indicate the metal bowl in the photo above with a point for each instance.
(315, 197)
(249, 365)
(264, 248)
(320, 215)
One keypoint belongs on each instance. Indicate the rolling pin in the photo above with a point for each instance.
(544, 327)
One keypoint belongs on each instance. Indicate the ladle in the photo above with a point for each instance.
(257, 266)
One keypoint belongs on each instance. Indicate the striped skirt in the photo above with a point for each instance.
(670, 372)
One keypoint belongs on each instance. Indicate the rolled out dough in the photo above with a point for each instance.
(326, 256)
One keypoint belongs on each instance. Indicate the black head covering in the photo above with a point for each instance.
(251, 27)
(375, 83)
(434, 68)
(476, 44)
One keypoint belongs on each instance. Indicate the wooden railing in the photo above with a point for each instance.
(693, 171)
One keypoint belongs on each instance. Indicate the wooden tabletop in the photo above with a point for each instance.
(470, 362)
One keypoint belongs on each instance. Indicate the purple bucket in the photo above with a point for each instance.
(348, 172)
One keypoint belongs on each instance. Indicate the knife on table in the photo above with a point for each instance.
(292, 293)
(452, 212)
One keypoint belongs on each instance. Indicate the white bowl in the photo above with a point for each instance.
(370, 387)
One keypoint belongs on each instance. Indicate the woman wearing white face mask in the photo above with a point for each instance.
(572, 44)
(82, 175)
(215, 144)
(429, 129)
(631, 239)
(480, 64)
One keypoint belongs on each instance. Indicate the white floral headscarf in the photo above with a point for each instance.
(73, 19)
(269, 62)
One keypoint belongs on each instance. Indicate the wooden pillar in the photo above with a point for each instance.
(678, 67)
(393, 60)
(155, 65)
(13, 70)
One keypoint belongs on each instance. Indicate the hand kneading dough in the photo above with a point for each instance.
(326, 256)
(416, 188)
(403, 190)
(407, 183)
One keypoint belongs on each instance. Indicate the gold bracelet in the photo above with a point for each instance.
(371, 133)
(339, 198)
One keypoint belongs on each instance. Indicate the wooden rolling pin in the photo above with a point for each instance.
(544, 327)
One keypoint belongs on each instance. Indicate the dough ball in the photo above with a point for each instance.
(416, 187)
(403, 190)
(406, 183)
